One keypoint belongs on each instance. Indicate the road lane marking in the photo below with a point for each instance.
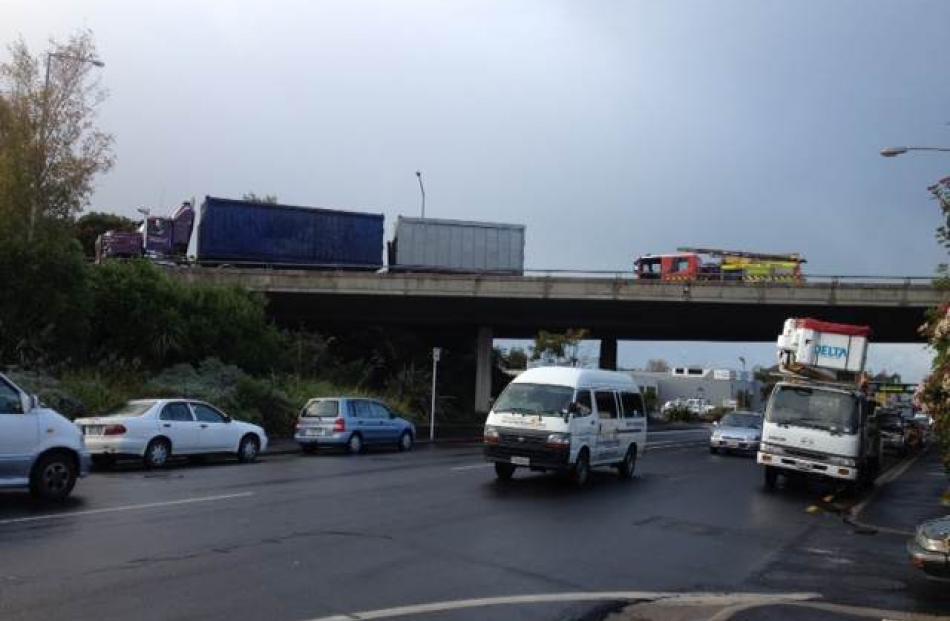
(698, 599)
(472, 466)
(148, 505)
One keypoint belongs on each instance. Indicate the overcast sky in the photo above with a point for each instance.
(610, 128)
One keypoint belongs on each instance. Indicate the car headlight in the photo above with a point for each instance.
(491, 435)
(559, 440)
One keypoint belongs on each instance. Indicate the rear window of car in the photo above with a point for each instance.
(324, 408)
(132, 408)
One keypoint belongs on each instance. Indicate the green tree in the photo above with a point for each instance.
(266, 199)
(50, 147)
(93, 224)
(934, 392)
(514, 358)
(561, 347)
(44, 308)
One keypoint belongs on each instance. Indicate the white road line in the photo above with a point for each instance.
(711, 599)
(148, 505)
(472, 466)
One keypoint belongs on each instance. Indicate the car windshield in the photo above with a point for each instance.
(812, 407)
(542, 399)
(324, 408)
(751, 421)
(131, 408)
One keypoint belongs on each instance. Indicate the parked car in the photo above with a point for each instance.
(929, 550)
(351, 423)
(40, 450)
(156, 429)
(673, 404)
(700, 407)
(737, 431)
(896, 434)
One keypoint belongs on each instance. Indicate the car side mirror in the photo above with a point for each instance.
(228, 419)
(392, 415)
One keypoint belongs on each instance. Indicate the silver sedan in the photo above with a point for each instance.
(737, 431)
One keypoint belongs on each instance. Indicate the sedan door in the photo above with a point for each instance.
(178, 424)
(215, 433)
(19, 436)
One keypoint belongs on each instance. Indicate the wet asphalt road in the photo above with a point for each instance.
(294, 537)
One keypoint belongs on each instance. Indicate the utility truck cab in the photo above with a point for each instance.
(819, 430)
(567, 420)
(819, 421)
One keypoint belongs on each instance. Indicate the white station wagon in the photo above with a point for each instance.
(156, 429)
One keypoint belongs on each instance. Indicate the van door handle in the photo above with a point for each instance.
(167, 425)
(204, 426)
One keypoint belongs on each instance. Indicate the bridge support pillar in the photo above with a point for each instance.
(608, 353)
(483, 370)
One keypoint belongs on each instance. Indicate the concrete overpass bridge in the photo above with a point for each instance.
(611, 307)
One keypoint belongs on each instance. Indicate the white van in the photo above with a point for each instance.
(40, 450)
(569, 420)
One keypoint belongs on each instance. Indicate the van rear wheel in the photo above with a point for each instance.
(503, 471)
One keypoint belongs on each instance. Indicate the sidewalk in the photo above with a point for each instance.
(877, 580)
(286, 446)
(910, 499)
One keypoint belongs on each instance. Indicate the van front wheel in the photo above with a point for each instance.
(628, 465)
(503, 471)
(581, 471)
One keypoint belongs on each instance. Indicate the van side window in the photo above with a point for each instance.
(632, 404)
(606, 403)
(584, 403)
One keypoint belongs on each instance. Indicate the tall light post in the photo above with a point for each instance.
(895, 151)
(145, 214)
(34, 206)
(436, 355)
(422, 190)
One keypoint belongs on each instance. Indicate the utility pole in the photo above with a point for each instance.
(436, 355)
(422, 190)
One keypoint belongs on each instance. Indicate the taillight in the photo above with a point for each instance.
(339, 424)
(114, 430)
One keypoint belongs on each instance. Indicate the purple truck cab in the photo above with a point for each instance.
(162, 238)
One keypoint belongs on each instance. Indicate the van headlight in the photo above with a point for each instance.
(559, 440)
(491, 435)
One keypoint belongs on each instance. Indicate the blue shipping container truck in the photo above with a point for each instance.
(245, 232)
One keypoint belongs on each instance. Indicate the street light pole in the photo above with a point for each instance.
(895, 151)
(423, 191)
(436, 355)
(34, 203)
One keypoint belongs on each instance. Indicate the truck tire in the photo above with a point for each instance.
(771, 477)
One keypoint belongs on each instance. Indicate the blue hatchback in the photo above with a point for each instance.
(351, 423)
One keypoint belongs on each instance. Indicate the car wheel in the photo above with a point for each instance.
(713, 450)
(103, 462)
(157, 453)
(629, 463)
(248, 449)
(355, 444)
(771, 477)
(405, 441)
(53, 477)
(503, 471)
(581, 471)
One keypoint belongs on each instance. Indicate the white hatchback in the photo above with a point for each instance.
(156, 429)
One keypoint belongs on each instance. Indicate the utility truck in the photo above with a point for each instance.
(819, 420)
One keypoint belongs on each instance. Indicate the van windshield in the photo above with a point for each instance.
(809, 407)
(539, 399)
